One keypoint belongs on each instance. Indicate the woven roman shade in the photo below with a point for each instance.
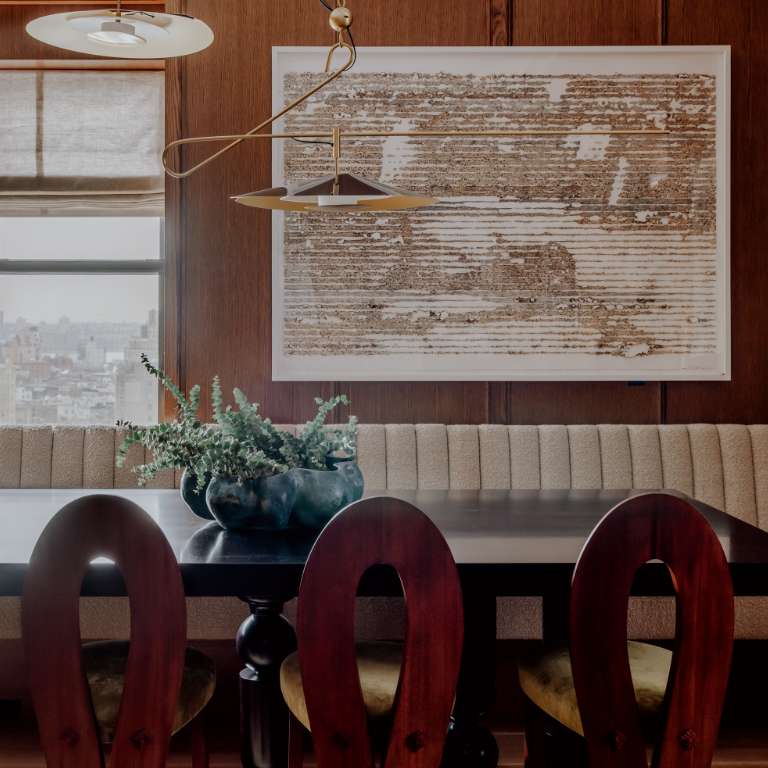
(81, 143)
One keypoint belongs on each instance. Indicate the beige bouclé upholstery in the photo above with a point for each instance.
(725, 465)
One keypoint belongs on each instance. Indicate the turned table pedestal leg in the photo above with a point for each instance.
(263, 641)
(470, 743)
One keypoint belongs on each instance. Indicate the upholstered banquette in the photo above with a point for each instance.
(723, 465)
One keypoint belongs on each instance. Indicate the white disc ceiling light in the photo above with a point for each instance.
(122, 33)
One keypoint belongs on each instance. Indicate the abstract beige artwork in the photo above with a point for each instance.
(569, 257)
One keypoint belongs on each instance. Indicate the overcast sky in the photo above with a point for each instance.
(97, 298)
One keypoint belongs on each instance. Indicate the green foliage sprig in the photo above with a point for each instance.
(187, 407)
(173, 444)
(316, 445)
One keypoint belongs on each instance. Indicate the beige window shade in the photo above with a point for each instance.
(81, 143)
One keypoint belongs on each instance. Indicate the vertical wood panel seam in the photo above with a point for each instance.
(172, 349)
(181, 352)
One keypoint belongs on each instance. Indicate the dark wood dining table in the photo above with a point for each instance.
(505, 543)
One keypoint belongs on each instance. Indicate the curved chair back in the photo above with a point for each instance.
(115, 528)
(371, 532)
(652, 526)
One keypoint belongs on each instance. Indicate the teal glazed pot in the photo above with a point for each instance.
(193, 498)
(264, 504)
(321, 494)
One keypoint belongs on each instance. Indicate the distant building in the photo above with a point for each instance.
(136, 393)
(76, 373)
(93, 354)
(24, 347)
(7, 394)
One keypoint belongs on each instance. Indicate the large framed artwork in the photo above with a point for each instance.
(567, 257)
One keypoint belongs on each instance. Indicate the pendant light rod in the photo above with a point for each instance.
(254, 132)
(336, 158)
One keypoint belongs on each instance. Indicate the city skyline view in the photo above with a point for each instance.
(70, 343)
(77, 373)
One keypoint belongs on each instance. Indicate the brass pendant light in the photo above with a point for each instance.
(344, 191)
(337, 192)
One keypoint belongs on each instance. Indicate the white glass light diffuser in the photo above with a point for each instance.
(125, 35)
(117, 32)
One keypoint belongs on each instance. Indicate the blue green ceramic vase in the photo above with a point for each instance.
(193, 498)
(264, 504)
(321, 494)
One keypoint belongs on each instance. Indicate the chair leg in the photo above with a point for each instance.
(295, 742)
(200, 753)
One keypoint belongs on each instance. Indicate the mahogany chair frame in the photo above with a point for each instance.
(87, 528)
(654, 526)
(379, 531)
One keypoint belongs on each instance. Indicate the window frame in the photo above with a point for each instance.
(115, 267)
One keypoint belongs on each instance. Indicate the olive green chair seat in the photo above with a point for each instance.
(104, 664)
(379, 667)
(547, 680)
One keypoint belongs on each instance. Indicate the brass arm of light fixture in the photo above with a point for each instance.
(341, 21)
(237, 139)
(337, 133)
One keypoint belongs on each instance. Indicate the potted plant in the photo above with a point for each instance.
(250, 486)
(325, 467)
(259, 470)
(243, 471)
(176, 444)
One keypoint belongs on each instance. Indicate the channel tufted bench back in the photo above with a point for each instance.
(69, 457)
(724, 465)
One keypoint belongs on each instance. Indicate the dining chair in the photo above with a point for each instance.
(131, 696)
(403, 691)
(621, 696)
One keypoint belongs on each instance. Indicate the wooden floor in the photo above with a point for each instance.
(19, 749)
(740, 747)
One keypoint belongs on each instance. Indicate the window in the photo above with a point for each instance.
(81, 243)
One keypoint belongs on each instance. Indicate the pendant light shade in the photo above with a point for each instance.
(346, 192)
(123, 34)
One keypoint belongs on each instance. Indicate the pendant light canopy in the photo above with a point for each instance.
(123, 34)
(345, 192)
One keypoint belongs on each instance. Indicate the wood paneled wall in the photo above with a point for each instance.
(219, 297)
(225, 312)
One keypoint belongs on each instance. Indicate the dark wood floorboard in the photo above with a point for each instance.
(19, 748)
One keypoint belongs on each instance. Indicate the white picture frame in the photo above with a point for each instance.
(712, 63)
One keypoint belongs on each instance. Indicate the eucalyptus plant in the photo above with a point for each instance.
(230, 457)
(241, 444)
